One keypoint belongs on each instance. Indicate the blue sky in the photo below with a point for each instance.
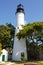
(33, 10)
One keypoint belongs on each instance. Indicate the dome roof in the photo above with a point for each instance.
(20, 6)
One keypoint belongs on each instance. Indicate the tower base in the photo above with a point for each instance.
(19, 50)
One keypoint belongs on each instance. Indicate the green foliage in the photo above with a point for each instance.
(29, 29)
(6, 34)
(33, 31)
(0, 48)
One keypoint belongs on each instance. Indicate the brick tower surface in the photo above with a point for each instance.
(19, 46)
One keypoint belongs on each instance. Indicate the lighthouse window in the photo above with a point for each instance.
(17, 27)
(22, 54)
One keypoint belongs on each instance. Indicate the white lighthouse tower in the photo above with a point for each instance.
(19, 47)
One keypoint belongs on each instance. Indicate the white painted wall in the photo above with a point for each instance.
(20, 19)
(0, 58)
(19, 45)
(4, 52)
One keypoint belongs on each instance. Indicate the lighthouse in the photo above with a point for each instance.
(19, 47)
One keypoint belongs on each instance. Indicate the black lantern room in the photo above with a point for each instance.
(20, 8)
